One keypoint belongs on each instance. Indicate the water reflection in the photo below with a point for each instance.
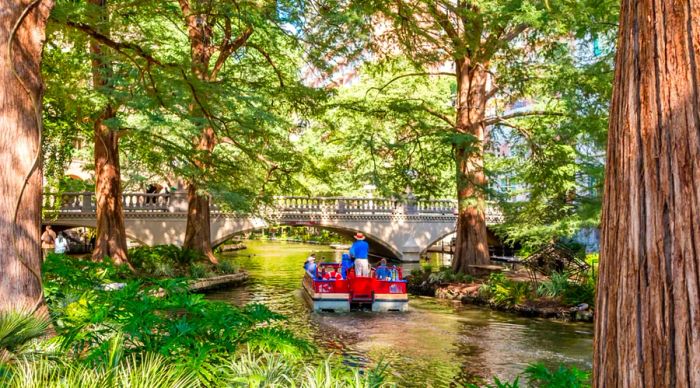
(435, 343)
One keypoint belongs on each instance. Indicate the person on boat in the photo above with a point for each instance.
(359, 251)
(310, 265)
(382, 272)
(324, 274)
(345, 265)
(333, 274)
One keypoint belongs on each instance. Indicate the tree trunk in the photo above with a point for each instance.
(110, 240)
(21, 175)
(472, 241)
(198, 230)
(647, 330)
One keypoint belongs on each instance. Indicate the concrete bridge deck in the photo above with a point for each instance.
(403, 230)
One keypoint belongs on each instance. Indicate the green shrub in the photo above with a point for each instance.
(198, 271)
(502, 291)
(563, 377)
(538, 375)
(570, 292)
(152, 260)
(227, 267)
(555, 286)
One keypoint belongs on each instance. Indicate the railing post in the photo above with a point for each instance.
(87, 202)
(178, 201)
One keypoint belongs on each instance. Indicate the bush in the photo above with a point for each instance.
(501, 291)
(563, 377)
(227, 267)
(161, 259)
(555, 286)
(198, 271)
(570, 292)
(538, 375)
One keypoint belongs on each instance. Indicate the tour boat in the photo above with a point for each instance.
(355, 291)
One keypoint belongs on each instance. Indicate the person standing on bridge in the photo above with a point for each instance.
(359, 251)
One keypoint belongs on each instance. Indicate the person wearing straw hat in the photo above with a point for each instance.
(359, 250)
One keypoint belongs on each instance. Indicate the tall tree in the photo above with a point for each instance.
(648, 310)
(110, 239)
(22, 34)
(201, 22)
(224, 35)
(494, 50)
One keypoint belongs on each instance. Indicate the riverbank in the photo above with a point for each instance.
(555, 298)
(468, 294)
(217, 282)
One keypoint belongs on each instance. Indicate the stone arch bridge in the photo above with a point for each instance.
(403, 230)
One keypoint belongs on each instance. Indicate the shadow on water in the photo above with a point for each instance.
(435, 343)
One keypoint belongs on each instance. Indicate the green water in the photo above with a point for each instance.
(435, 343)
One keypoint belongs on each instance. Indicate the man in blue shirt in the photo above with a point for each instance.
(359, 250)
(382, 272)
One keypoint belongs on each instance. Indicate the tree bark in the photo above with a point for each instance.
(472, 241)
(21, 176)
(647, 329)
(198, 231)
(110, 240)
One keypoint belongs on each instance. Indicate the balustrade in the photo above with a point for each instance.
(143, 202)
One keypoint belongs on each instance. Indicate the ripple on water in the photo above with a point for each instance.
(436, 342)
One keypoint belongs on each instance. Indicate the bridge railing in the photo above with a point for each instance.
(173, 202)
(337, 205)
(85, 202)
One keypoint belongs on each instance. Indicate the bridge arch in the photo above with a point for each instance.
(377, 245)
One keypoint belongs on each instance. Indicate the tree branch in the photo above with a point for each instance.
(229, 48)
(268, 58)
(499, 119)
(407, 75)
(118, 46)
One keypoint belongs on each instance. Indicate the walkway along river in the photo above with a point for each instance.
(434, 344)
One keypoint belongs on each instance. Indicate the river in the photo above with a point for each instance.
(436, 343)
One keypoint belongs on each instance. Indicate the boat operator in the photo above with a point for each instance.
(359, 251)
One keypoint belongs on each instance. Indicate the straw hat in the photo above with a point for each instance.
(359, 236)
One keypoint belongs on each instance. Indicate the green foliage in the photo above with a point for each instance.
(227, 267)
(198, 271)
(539, 375)
(555, 286)
(136, 371)
(157, 316)
(18, 330)
(502, 291)
(571, 293)
(146, 258)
